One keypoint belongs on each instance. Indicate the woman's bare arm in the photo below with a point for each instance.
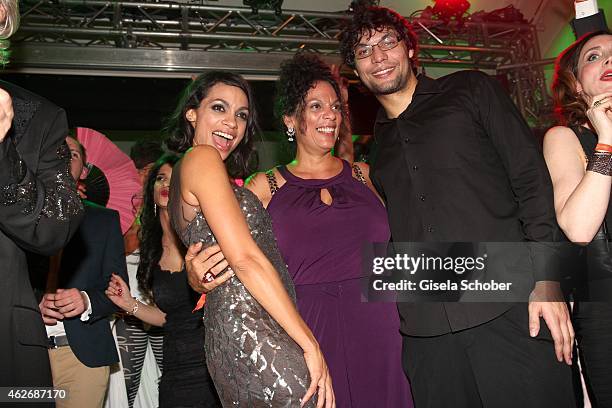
(119, 293)
(204, 182)
(581, 198)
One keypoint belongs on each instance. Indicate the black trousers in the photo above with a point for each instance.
(496, 364)
(593, 324)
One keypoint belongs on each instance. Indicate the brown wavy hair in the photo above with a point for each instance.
(570, 105)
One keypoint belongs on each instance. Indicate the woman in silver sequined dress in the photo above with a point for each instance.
(259, 351)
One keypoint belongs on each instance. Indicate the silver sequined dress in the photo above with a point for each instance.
(252, 360)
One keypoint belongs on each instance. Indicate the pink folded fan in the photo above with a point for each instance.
(119, 170)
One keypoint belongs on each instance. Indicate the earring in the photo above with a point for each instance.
(155, 209)
(290, 134)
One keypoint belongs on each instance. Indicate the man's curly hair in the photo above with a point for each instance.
(297, 76)
(370, 19)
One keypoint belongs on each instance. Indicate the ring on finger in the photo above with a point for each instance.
(209, 277)
(600, 102)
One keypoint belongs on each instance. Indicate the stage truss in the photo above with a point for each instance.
(162, 38)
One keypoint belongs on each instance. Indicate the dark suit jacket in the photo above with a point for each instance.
(586, 25)
(92, 255)
(39, 212)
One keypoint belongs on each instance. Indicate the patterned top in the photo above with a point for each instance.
(251, 359)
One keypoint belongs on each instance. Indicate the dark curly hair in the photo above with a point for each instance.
(570, 105)
(145, 151)
(367, 19)
(180, 132)
(297, 76)
(150, 234)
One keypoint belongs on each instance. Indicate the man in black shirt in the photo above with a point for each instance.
(455, 162)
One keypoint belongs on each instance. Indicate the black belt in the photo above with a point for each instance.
(57, 341)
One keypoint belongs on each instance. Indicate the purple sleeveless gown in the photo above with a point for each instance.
(322, 246)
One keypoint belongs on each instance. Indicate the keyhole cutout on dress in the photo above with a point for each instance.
(326, 197)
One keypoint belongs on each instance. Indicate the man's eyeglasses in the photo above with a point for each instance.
(388, 42)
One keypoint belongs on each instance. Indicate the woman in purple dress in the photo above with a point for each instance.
(324, 211)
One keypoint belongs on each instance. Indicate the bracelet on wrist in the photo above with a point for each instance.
(602, 147)
(135, 307)
(600, 162)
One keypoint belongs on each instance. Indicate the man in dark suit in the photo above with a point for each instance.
(589, 18)
(81, 345)
(39, 212)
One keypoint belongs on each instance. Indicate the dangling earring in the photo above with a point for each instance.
(290, 134)
(155, 209)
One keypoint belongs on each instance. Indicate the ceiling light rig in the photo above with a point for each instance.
(357, 4)
(255, 5)
(448, 10)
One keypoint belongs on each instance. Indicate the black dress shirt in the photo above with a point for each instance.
(460, 164)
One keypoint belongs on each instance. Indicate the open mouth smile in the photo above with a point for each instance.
(328, 130)
(382, 72)
(223, 135)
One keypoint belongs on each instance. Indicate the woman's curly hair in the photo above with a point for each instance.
(297, 76)
(150, 234)
(367, 19)
(242, 160)
(570, 105)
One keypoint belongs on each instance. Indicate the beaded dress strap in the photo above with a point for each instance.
(271, 181)
(359, 173)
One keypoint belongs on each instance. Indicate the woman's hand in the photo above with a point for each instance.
(320, 380)
(82, 189)
(119, 293)
(600, 116)
(204, 266)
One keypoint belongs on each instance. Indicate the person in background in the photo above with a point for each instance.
(578, 153)
(144, 154)
(168, 300)
(133, 336)
(74, 307)
(39, 211)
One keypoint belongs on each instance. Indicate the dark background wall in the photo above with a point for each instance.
(123, 106)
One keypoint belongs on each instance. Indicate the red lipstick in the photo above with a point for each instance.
(607, 75)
